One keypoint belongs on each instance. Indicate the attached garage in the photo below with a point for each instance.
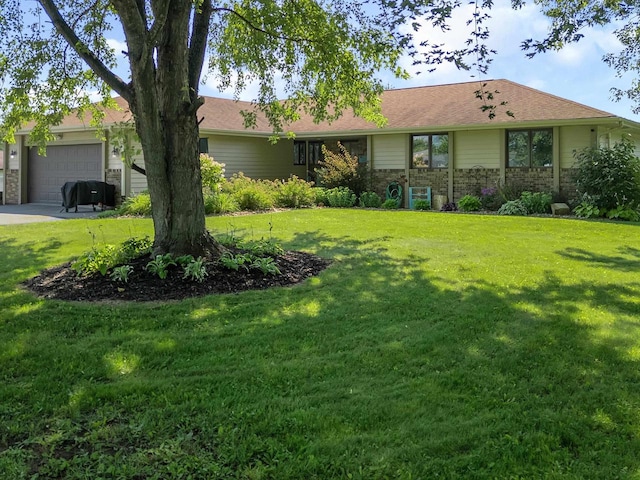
(62, 163)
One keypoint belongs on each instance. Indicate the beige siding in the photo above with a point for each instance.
(389, 151)
(138, 181)
(255, 157)
(477, 148)
(573, 139)
(71, 138)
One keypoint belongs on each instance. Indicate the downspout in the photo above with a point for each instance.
(555, 160)
(451, 169)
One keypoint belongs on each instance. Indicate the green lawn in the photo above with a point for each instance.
(436, 345)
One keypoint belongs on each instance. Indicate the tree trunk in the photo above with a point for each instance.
(164, 107)
(175, 186)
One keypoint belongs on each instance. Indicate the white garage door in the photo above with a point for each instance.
(63, 163)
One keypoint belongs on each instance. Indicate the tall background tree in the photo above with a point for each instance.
(325, 55)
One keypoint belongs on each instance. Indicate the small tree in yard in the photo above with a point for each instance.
(341, 169)
(609, 177)
(326, 55)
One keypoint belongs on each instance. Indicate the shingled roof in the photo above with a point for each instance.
(434, 107)
(440, 107)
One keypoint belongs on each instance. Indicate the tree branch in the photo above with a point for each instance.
(198, 45)
(84, 52)
(138, 169)
(262, 30)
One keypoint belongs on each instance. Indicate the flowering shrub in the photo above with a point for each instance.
(212, 173)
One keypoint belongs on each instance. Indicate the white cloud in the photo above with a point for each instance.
(118, 46)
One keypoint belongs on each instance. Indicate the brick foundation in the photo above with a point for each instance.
(382, 178)
(437, 179)
(531, 179)
(471, 181)
(568, 192)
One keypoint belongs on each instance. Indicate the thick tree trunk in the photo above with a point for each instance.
(175, 187)
(164, 106)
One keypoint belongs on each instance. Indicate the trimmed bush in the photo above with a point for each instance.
(469, 203)
(250, 194)
(294, 193)
(341, 197)
(253, 198)
(370, 200)
(320, 196)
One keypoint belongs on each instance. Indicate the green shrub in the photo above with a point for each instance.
(390, 204)
(342, 169)
(320, 196)
(587, 209)
(341, 197)
(624, 212)
(253, 198)
(139, 205)
(609, 177)
(512, 207)
(490, 199)
(469, 203)
(250, 194)
(218, 203)
(101, 259)
(294, 193)
(370, 200)
(538, 202)
(422, 204)
(212, 173)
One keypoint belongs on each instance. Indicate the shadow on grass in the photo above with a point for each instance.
(628, 260)
(378, 368)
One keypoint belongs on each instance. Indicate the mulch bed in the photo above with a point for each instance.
(63, 283)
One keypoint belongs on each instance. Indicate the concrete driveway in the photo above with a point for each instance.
(40, 212)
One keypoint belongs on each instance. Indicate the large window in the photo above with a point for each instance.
(530, 148)
(430, 151)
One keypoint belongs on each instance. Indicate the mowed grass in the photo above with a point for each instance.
(435, 346)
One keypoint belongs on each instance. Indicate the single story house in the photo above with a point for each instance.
(436, 136)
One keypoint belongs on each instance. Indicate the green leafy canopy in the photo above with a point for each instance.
(325, 55)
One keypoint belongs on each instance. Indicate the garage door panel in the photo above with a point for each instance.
(63, 163)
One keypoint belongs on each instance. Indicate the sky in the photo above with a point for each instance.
(576, 72)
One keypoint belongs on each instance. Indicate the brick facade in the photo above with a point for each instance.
(471, 181)
(12, 186)
(532, 179)
(382, 178)
(437, 179)
(568, 186)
